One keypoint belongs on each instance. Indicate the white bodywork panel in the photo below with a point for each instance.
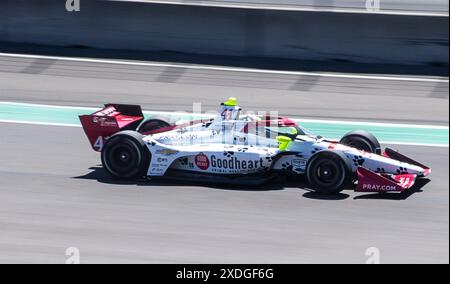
(213, 152)
(223, 146)
(304, 150)
(203, 151)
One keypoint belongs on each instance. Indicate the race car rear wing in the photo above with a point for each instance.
(111, 119)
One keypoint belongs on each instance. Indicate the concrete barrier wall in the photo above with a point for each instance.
(221, 31)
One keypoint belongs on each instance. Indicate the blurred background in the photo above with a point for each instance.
(411, 36)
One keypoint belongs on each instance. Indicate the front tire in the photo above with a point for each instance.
(125, 156)
(327, 172)
(362, 140)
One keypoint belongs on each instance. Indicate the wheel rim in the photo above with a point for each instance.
(122, 156)
(327, 172)
(123, 159)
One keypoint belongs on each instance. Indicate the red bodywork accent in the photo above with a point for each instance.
(369, 181)
(332, 145)
(113, 118)
(389, 153)
(160, 130)
(279, 121)
(174, 127)
(268, 121)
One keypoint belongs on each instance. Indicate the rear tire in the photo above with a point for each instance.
(152, 125)
(327, 172)
(125, 155)
(362, 140)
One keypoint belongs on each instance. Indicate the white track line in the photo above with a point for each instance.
(207, 116)
(229, 69)
(50, 106)
(294, 8)
(39, 123)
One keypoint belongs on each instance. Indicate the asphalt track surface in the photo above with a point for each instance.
(408, 7)
(54, 195)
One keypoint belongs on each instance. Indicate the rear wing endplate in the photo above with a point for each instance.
(100, 125)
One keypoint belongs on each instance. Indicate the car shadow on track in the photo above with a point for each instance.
(99, 174)
(317, 196)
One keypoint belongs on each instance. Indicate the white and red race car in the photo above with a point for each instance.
(251, 149)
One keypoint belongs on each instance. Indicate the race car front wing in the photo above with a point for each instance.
(369, 181)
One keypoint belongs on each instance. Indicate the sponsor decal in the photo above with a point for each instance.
(378, 187)
(227, 164)
(299, 163)
(162, 160)
(103, 121)
(156, 169)
(166, 152)
(234, 163)
(202, 161)
(160, 165)
(179, 137)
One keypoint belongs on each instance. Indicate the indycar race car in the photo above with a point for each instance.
(244, 149)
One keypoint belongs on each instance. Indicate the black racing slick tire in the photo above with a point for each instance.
(327, 172)
(125, 155)
(153, 124)
(362, 140)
